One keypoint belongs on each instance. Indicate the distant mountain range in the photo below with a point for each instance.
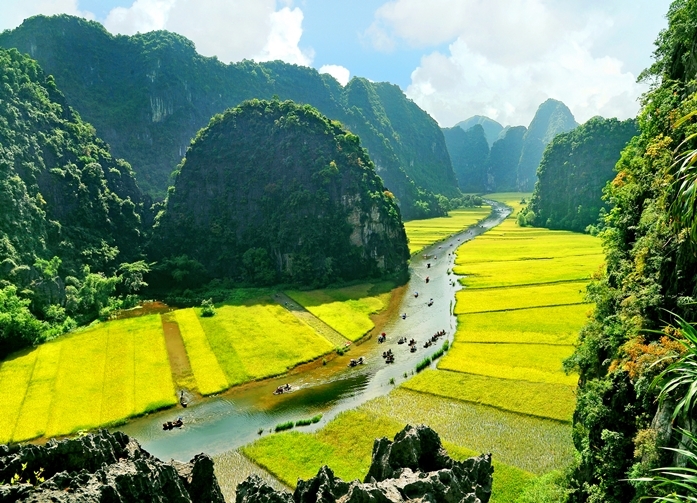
(147, 95)
(489, 157)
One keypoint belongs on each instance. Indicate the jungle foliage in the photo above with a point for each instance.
(574, 169)
(148, 95)
(71, 218)
(273, 191)
(619, 427)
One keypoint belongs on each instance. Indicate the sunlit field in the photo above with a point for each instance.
(498, 299)
(551, 401)
(537, 325)
(422, 233)
(88, 379)
(260, 340)
(347, 310)
(345, 444)
(528, 272)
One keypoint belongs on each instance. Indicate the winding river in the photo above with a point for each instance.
(227, 421)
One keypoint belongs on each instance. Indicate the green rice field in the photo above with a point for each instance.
(90, 378)
(345, 444)
(423, 233)
(347, 310)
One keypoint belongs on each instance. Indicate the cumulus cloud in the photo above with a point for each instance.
(507, 56)
(340, 73)
(232, 30)
(13, 13)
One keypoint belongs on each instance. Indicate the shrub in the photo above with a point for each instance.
(284, 426)
(423, 364)
(207, 308)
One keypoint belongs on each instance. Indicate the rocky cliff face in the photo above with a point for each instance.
(274, 187)
(413, 467)
(102, 467)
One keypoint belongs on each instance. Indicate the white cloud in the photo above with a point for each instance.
(12, 13)
(232, 30)
(507, 56)
(340, 73)
(282, 42)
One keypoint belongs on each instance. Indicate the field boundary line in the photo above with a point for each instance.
(517, 285)
(24, 398)
(521, 308)
(482, 404)
(301, 313)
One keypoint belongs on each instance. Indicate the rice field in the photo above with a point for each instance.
(483, 300)
(423, 233)
(347, 310)
(549, 401)
(260, 340)
(536, 325)
(95, 377)
(345, 443)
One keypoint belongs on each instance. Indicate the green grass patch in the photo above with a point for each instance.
(552, 401)
(481, 300)
(260, 340)
(347, 310)
(209, 376)
(284, 426)
(308, 422)
(345, 443)
(528, 272)
(423, 233)
(526, 362)
(539, 325)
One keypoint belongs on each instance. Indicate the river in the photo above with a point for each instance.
(237, 417)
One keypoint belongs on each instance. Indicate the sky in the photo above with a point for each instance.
(454, 58)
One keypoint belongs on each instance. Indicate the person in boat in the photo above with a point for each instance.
(427, 279)
(404, 316)
(428, 266)
(416, 294)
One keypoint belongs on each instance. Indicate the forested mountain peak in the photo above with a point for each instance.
(552, 118)
(492, 129)
(148, 94)
(274, 190)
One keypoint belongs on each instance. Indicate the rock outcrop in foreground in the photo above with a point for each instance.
(102, 467)
(413, 467)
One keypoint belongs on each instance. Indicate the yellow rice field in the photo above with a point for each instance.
(347, 310)
(423, 233)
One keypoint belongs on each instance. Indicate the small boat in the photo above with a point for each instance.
(354, 362)
(284, 388)
(413, 349)
(402, 340)
(169, 425)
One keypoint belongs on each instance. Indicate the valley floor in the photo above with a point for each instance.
(501, 388)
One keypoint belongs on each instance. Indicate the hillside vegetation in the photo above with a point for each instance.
(574, 169)
(274, 191)
(148, 95)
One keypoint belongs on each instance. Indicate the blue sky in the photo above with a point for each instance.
(454, 58)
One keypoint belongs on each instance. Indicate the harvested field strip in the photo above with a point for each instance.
(15, 374)
(551, 401)
(525, 362)
(204, 364)
(347, 310)
(497, 299)
(263, 340)
(537, 325)
(529, 272)
(37, 402)
(345, 445)
(423, 233)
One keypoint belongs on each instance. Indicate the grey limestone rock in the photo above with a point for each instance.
(413, 467)
(105, 468)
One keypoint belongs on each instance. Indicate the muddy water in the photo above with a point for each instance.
(219, 424)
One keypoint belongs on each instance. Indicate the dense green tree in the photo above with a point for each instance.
(273, 183)
(574, 169)
(651, 273)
